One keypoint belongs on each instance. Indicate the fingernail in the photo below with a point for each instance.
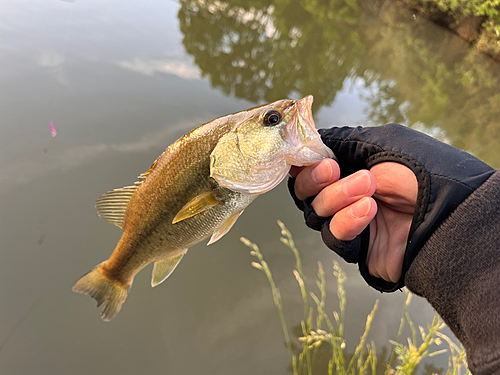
(357, 185)
(361, 208)
(322, 173)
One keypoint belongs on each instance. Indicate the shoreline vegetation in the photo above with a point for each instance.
(475, 21)
(318, 346)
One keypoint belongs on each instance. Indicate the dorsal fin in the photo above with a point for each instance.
(143, 176)
(113, 205)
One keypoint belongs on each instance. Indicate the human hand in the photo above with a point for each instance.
(409, 183)
(349, 200)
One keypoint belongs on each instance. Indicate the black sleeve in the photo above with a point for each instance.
(458, 272)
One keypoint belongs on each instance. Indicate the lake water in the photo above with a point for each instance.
(120, 81)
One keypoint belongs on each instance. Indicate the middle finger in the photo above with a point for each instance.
(344, 192)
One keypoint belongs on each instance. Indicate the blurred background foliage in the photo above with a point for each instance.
(290, 48)
(477, 21)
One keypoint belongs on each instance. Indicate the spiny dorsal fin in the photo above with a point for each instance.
(197, 205)
(113, 205)
(164, 268)
(224, 228)
(143, 176)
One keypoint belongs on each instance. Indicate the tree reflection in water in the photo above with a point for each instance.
(413, 72)
(270, 51)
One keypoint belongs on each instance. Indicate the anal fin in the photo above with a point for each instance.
(196, 205)
(163, 268)
(224, 228)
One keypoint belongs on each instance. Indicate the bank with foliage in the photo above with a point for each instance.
(476, 21)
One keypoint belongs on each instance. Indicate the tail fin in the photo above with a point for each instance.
(105, 291)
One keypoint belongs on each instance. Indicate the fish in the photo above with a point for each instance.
(197, 188)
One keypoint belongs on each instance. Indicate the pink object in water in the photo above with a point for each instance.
(52, 130)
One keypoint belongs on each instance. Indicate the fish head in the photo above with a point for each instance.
(265, 141)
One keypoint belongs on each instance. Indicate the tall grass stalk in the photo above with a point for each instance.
(262, 266)
(318, 328)
(400, 330)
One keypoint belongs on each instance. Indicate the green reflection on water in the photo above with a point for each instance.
(413, 72)
(273, 49)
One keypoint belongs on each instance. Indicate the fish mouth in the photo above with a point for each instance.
(304, 137)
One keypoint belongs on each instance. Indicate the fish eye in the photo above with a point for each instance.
(272, 118)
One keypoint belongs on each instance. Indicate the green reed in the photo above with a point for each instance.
(320, 330)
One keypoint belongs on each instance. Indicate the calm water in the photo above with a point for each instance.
(121, 80)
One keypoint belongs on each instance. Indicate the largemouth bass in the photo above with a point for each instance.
(198, 188)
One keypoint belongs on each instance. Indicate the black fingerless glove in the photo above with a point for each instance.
(446, 177)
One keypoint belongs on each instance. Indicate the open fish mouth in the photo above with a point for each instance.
(304, 137)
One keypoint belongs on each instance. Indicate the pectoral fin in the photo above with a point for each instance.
(196, 205)
(224, 228)
(163, 268)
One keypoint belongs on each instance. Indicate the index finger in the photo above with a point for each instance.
(311, 180)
